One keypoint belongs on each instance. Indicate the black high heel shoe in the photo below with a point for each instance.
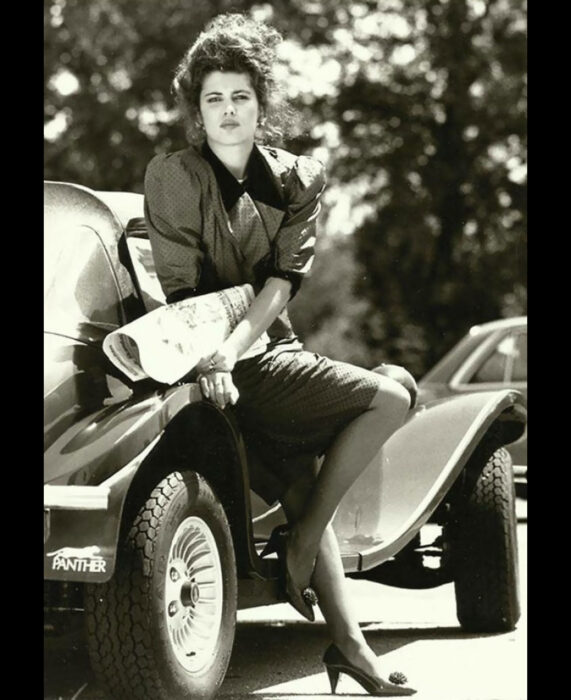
(304, 600)
(336, 663)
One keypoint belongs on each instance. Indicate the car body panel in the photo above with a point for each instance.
(72, 208)
(395, 496)
(106, 439)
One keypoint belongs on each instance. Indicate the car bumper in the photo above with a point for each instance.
(76, 497)
(72, 498)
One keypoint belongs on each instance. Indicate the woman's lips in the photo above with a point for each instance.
(229, 125)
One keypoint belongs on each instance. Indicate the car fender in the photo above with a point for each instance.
(83, 522)
(83, 507)
(397, 494)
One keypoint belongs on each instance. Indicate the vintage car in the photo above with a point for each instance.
(490, 356)
(150, 526)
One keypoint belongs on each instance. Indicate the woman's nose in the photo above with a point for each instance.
(229, 109)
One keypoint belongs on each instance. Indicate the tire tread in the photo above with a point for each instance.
(485, 546)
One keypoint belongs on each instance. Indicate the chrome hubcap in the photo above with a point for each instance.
(194, 595)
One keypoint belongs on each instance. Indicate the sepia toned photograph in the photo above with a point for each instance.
(285, 349)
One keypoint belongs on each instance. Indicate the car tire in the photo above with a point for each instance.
(163, 627)
(484, 550)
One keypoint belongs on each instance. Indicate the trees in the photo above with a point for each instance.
(418, 107)
(429, 117)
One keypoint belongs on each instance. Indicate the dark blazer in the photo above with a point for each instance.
(188, 197)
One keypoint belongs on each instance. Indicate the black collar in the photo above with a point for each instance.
(259, 181)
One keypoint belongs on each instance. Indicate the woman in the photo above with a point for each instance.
(229, 211)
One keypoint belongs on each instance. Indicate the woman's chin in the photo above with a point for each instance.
(232, 138)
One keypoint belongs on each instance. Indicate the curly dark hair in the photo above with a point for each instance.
(236, 43)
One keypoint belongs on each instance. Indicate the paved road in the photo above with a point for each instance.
(277, 656)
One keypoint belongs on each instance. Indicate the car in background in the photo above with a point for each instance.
(490, 356)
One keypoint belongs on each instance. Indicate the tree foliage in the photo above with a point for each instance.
(418, 107)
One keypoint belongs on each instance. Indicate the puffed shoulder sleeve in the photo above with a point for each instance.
(172, 214)
(294, 245)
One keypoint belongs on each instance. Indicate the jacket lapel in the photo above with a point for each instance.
(276, 165)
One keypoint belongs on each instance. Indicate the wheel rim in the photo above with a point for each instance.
(194, 595)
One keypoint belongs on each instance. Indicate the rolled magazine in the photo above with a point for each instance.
(168, 342)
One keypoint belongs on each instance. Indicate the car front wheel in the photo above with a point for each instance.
(163, 626)
(484, 550)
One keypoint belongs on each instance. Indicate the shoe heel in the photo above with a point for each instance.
(276, 542)
(333, 678)
(270, 548)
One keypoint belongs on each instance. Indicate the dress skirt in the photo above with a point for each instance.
(292, 406)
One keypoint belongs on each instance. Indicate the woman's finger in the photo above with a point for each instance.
(219, 394)
(227, 393)
(208, 387)
(234, 395)
(231, 393)
(203, 383)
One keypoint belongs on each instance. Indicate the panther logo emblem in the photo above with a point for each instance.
(91, 552)
(78, 559)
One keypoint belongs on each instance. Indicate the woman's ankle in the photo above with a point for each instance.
(302, 542)
(351, 644)
(356, 650)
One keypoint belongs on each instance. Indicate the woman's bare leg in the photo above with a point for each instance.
(352, 451)
(331, 587)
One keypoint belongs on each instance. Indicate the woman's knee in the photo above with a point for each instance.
(391, 396)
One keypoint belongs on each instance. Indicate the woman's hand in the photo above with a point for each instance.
(219, 387)
(402, 376)
(215, 378)
(223, 360)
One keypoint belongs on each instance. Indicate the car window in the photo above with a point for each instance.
(506, 363)
(79, 284)
(492, 370)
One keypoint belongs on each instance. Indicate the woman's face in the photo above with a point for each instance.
(229, 108)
